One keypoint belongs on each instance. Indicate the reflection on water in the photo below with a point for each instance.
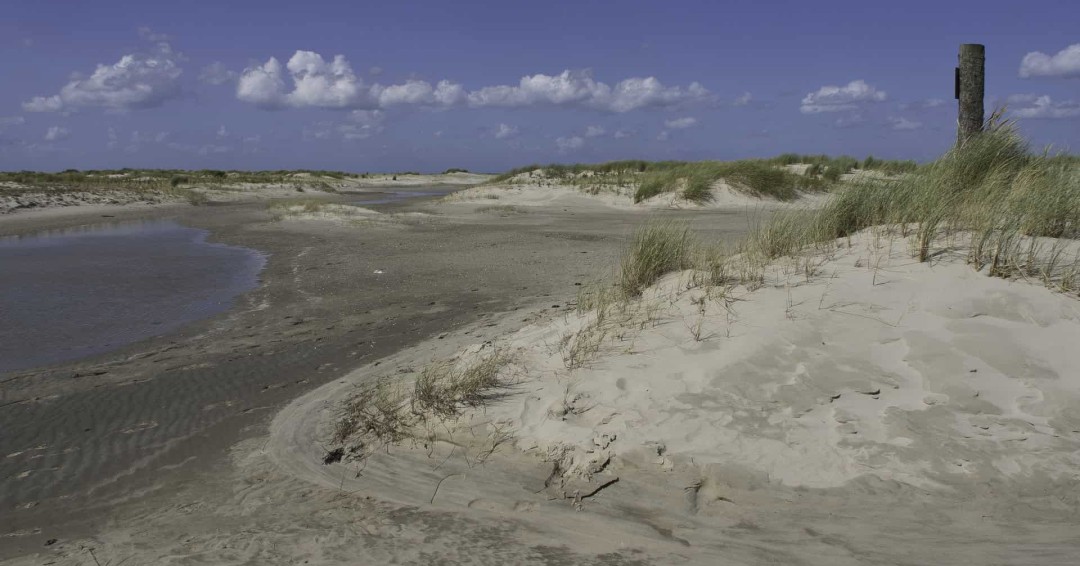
(66, 294)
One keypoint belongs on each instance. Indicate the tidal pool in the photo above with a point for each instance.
(72, 293)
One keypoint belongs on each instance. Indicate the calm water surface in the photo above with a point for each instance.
(73, 293)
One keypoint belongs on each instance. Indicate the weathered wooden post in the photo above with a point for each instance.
(970, 88)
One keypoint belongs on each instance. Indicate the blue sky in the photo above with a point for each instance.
(488, 85)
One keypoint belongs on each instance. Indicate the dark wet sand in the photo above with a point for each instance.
(83, 442)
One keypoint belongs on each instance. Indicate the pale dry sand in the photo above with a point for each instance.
(929, 375)
(34, 201)
(17, 198)
(128, 453)
(526, 193)
(305, 185)
(350, 215)
(877, 411)
(392, 180)
(865, 409)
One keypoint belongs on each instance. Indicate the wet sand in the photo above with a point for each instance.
(157, 426)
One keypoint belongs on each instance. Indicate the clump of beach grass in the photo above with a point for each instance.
(992, 196)
(377, 411)
(388, 410)
(444, 387)
(143, 180)
(756, 177)
(500, 209)
(297, 205)
(1012, 211)
(656, 249)
(692, 181)
(292, 207)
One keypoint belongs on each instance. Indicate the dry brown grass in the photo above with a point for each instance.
(387, 411)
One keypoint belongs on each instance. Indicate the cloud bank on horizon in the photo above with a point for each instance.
(156, 105)
(308, 80)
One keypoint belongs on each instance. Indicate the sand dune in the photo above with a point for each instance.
(929, 375)
(538, 193)
(867, 394)
(21, 198)
(880, 410)
(348, 214)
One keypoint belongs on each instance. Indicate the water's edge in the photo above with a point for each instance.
(71, 293)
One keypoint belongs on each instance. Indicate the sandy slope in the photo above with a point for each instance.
(834, 419)
(391, 180)
(334, 297)
(350, 215)
(879, 411)
(932, 376)
(525, 193)
(38, 200)
(16, 198)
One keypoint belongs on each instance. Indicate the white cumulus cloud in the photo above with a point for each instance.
(324, 84)
(262, 85)
(680, 123)
(1042, 107)
(57, 133)
(504, 131)
(217, 74)
(6, 121)
(570, 143)
(594, 131)
(44, 104)
(411, 92)
(579, 88)
(744, 99)
(308, 80)
(1064, 63)
(839, 98)
(449, 94)
(623, 134)
(140, 80)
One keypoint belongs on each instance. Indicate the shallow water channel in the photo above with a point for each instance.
(72, 293)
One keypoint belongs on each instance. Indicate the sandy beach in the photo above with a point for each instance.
(831, 414)
(159, 425)
(544, 284)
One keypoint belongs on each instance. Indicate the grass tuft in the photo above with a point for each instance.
(384, 412)
(657, 249)
(993, 188)
(444, 387)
